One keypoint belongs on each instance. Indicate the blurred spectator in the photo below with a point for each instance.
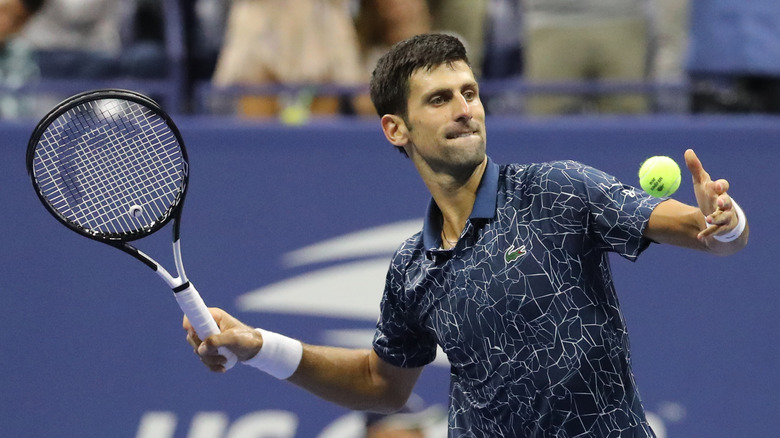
(382, 23)
(14, 15)
(503, 46)
(668, 57)
(379, 25)
(503, 55)
(77, 38)
(98, 39)
(144, 52)
(570, 41)
(465, 19)
(205, 22)
(16, 64)
(291, 42)
(734, 58)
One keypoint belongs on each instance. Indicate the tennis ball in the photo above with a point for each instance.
(660, 176)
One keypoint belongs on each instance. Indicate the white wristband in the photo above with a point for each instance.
(279, 357)
(737, 231)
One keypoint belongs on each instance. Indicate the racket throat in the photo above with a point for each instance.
(177, 260)
(174, 283)
(183, 286)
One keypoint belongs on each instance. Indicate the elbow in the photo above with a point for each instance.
(391, 386)
(390, 404)
(396, 402)
(383, 400)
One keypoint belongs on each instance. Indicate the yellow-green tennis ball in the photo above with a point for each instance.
(660, 176)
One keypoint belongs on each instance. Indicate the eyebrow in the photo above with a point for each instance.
(470, 85)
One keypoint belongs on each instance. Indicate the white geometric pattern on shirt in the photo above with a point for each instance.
(537, 344)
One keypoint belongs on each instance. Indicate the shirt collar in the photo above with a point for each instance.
(484, 207)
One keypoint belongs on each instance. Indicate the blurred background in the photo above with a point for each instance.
(264, 59)
(297, 201)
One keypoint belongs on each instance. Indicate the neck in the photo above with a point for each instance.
(446, 241)
(456, 201)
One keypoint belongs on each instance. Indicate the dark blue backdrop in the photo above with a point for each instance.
(92, 345)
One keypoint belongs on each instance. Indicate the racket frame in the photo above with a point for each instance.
(119, 94)
(185, 293)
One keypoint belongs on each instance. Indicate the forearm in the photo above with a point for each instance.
(678, 224)
(356, 379)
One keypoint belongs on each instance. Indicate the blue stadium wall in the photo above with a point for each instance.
(291, 228)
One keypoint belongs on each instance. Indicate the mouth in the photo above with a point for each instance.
(460, 134)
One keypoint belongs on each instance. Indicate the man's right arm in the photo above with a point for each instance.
(356, 379)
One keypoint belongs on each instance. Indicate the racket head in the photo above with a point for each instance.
(109, 164)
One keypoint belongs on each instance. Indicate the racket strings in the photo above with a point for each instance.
(125, 157)
(110, 166)
(121, 163)
(127, 184)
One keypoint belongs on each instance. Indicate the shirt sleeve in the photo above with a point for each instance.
(619, 213)
(400, 338)
(615, 214)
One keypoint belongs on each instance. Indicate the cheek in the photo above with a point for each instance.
(478, 110)
(424, 127)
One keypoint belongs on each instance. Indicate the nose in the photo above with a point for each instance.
(462, 108)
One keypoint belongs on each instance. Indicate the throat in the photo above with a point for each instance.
(449, 238)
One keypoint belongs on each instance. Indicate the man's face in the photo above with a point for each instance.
(445, 118)
(13, 16)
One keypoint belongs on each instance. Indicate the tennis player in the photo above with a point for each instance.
(509, 275)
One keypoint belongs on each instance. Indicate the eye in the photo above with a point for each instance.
(437, 100)
(470, 95)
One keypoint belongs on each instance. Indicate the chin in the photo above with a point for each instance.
(472, 157)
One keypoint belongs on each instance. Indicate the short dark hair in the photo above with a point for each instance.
(390, 80)
(33, 6)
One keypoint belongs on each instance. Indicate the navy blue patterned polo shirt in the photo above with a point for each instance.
(524, 305)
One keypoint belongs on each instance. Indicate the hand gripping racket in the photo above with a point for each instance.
(111, 165)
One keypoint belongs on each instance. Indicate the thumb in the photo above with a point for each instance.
(694, 165)
(224, 320)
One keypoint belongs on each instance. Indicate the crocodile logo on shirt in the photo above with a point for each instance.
(513, 253)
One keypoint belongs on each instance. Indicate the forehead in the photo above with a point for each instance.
(446, 75)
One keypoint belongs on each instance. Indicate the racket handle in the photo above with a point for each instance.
(193, 306)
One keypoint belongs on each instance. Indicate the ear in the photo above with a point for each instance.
(395, 130)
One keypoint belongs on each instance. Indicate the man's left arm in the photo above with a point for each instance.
(718, 225)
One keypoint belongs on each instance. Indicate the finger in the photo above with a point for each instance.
(724, 202)
(217, 368)
(186, 324)
(215, 363)
(719, 218)
(208, 348)
(703, 234)
(723, 216)
(210, 356)
(721, 186)
(716, 192)
(695, 167)
(223, 319)
(725, 213)
(193, 340)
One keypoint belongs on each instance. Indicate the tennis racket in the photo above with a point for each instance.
(111, 166)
